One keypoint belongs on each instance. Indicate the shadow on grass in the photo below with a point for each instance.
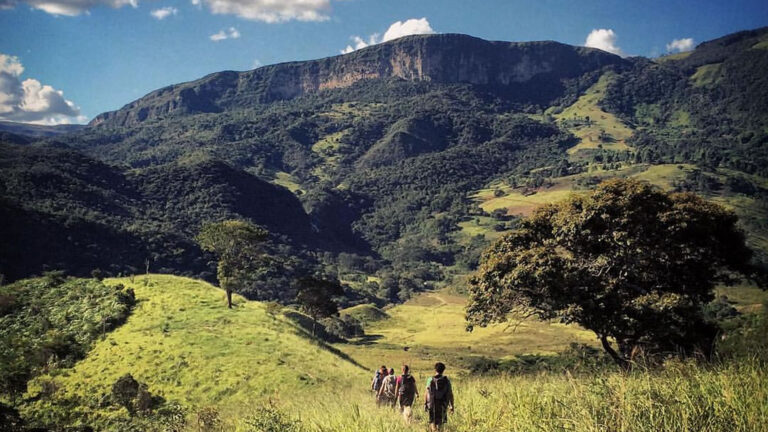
(298, 326)
(366, 340)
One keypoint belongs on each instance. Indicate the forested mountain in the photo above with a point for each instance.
(367, 163)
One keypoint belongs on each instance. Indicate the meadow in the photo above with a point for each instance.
(252, 369)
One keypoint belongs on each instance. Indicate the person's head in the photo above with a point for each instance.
(406, 369)
(383, 369)
(391, 371)
(439, 368)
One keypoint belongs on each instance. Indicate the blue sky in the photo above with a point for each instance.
(69, 60)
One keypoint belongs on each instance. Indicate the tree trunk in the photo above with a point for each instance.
(621, 361)
(229, 298)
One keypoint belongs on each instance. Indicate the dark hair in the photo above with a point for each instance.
(406, 369)
(383, 367)
(439, 367)
(391, 371)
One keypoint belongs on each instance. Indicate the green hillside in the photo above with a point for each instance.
(183, 342)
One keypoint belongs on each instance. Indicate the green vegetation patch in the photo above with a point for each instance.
(707, 75)
(365, 313)
(50, 322)
(594, 127)
(431, 327)
(288, 181)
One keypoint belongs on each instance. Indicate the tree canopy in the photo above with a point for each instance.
(315, 295)
(628, 261)
(236, 244)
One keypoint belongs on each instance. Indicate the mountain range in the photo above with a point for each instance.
(400, 160)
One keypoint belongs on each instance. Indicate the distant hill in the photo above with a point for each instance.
(64, 210)
(442, 58)
(33, 130)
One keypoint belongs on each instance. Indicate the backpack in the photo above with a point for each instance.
(389, 386)
(407, 390)
(407, 386)
(438, 390)
(377, 380)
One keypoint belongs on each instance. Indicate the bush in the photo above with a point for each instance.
(270, 419)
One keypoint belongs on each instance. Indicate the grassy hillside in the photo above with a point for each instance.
(183, 342)
(593, 126)
(233, 369)
(431, 327)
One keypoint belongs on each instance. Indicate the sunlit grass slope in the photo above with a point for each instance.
(431, 327)
(600, 121)
(183, 342)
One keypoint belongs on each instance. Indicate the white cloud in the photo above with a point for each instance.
(230, 33)
(396, 30)
(30, 101)
(680, 45)
(271, 11)
(257, 64)
(604, 39)
(164, 13)
(68, 7)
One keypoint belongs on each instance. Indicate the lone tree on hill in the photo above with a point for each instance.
(237, 245)
(316, 298)
(628, 261)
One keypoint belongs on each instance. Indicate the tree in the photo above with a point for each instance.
(315, 296)
(629, 262)
(236, 244)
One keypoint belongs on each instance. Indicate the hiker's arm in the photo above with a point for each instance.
(397, 391)
(450, 397)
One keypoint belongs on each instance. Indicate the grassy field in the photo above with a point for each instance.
(287, 181)
(707, 75)
(681, 397)
(431, 327)
(184, 343)
(614, 131)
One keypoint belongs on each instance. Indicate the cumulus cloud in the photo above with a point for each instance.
(30, 101)
(604, 39)
(163, 13)
(680, 45)
(271, 11)
(230, 33)
(396, 30)
(68, 7)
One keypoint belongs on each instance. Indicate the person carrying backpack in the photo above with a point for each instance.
(388, 393)
(407, 393)
(439, 398)
(378, 378)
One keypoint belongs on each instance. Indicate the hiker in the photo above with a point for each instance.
(387, 392)
(438, 398)
(378, 378)
(407, 393)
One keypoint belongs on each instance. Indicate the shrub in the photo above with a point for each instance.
(270, 419)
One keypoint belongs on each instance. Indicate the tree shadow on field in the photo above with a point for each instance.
(302, 332)
(366, 340)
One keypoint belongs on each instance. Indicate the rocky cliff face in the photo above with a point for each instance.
(447, 58)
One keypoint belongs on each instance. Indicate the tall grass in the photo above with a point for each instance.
(682, 396)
